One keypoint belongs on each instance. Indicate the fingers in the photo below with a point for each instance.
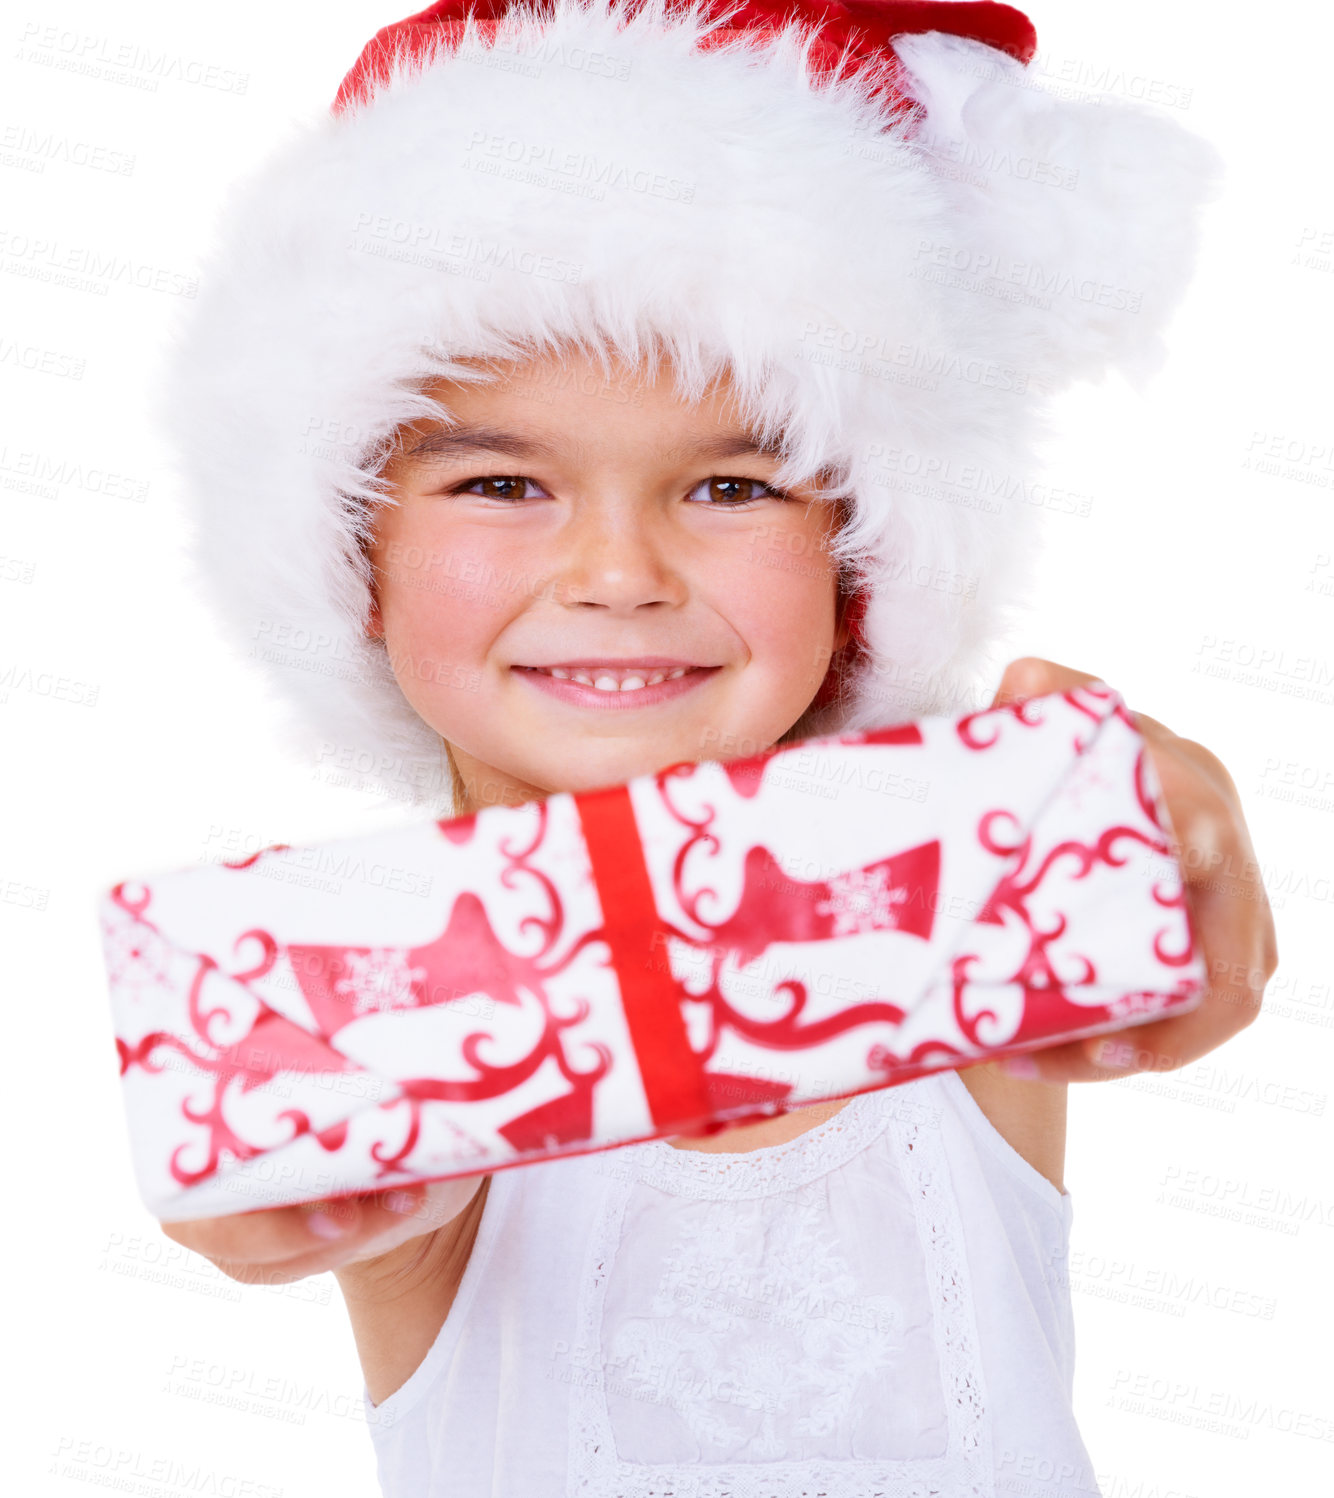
(1233, 925)
(271, 1235)
(277, 1245)
(1224, 889)
(1160, 1045)
(1203, 760)
(1229, 910)
(1031, 676)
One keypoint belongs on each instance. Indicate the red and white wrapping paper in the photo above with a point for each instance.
(703, 946)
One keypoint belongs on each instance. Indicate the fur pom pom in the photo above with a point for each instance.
(1079, 217)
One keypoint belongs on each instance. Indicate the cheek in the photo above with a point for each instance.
(781, 591)
(446, 591)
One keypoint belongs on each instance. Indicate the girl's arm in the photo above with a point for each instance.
(398, 1255)
(397, 1301)
(1030, 1119)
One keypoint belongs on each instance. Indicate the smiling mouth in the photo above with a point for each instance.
(654, 678)
(612, 678)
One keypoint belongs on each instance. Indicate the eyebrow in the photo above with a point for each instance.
(461, 442)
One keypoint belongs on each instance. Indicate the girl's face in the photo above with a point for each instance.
(589, 580)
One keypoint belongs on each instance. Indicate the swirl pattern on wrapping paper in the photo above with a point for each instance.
(275, 1044)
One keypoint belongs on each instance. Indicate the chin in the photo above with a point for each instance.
(588, 769)
(591, 772)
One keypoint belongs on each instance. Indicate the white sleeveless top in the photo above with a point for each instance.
(879, 1308)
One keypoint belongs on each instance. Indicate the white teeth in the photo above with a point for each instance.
(606, 682)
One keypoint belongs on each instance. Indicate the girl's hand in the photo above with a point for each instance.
(277, 1245)
(1228, 906)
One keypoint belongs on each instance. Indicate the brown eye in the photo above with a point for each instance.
(502, 488)
(726, 493)
(494, 486)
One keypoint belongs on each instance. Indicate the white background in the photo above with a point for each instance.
(1201, 1198)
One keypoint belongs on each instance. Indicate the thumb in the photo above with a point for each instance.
(1031, 676)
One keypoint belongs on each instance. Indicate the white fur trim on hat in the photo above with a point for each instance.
(900, 299)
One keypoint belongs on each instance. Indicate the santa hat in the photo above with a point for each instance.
(898, 242)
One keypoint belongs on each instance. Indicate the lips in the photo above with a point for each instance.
(613, 678)
(617, 684)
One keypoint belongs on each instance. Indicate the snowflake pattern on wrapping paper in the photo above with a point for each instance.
(862, 900)
(138, 960)
(470, 956)
(379, 979)
(369, 980)
(1086, 777)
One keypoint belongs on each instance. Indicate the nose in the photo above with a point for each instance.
(619, 556)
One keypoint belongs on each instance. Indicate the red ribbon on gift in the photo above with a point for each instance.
(673, 1075)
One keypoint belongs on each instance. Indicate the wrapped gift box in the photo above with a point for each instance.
(703, 946)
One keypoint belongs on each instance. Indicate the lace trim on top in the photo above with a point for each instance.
(910, 1124)
(701, 1174)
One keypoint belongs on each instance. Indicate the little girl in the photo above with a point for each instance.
(586, 399)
